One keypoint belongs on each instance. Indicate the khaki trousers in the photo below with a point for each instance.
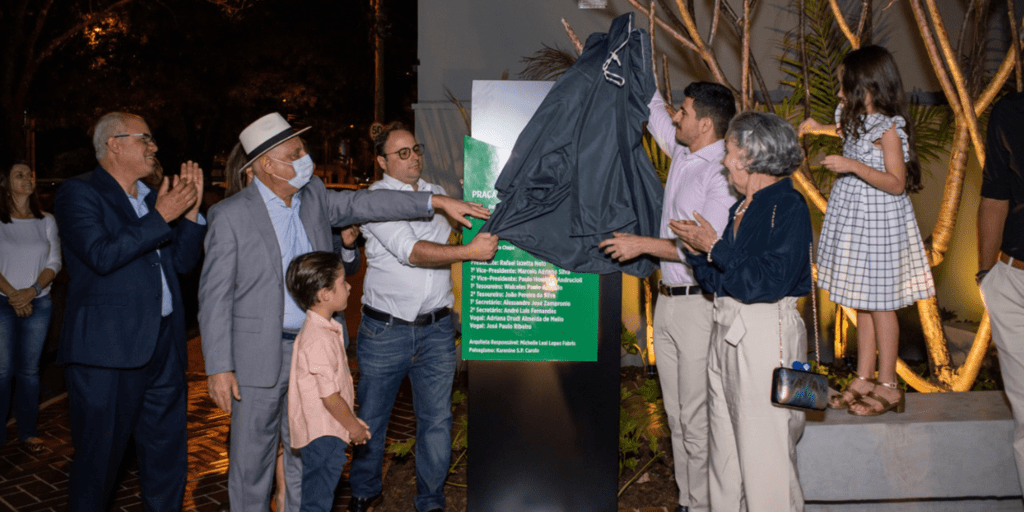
(682, 336)
(753, 443)
(1003, 292)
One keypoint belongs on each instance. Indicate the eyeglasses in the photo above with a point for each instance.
(405, 153)
(144, 137)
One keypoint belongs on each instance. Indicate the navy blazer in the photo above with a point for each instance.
(113, 308)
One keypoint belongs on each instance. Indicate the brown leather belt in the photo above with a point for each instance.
(424, 319)
(1011, 261)
(671, 291)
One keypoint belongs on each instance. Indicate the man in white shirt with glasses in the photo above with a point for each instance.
(407, 328)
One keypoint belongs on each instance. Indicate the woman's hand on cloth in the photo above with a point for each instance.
(696, 235)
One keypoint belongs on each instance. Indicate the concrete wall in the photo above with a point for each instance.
(465, 40)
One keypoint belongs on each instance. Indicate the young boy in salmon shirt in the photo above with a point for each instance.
(320, 390)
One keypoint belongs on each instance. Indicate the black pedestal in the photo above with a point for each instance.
(543, 436)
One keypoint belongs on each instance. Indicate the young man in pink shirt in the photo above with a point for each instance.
(320, 391)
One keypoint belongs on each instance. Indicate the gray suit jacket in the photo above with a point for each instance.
(241, 290)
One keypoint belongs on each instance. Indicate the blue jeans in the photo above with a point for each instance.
(387, 352)
(21, 347)
(322, 461)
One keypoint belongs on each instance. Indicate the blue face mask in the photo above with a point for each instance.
(303, 171)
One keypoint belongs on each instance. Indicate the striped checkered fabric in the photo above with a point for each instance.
(871, 256)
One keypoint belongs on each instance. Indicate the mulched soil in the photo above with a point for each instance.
(655, 488)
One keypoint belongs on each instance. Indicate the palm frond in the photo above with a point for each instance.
(547, 64)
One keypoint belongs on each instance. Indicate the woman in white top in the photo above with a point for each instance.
(29, 260)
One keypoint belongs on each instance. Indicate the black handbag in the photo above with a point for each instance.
(796, 388)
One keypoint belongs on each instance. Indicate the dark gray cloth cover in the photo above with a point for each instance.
(578, 171)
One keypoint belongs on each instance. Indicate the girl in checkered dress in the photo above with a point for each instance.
(870, 255)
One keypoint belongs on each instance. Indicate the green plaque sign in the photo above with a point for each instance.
(518, 307)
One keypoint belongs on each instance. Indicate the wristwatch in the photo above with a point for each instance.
(37, 288)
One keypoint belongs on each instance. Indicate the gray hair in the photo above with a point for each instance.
(109, 125)
(769, 144)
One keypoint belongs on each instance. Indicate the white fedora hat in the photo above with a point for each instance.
(264, 134)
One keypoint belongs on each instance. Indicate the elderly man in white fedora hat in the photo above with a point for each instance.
(247, 318)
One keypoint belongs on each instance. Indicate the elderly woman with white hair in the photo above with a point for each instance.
(757, 270)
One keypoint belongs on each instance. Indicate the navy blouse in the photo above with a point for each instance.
(762, 262)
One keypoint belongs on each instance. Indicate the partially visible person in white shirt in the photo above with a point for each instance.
(407, 328)
(29, 260)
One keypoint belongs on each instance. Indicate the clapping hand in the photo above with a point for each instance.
(192, 174)
(697, 235)
(175, 197)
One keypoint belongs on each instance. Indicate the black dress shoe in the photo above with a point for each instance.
(364, 504)
(681, 508)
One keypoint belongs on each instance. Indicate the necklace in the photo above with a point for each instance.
(741, 210)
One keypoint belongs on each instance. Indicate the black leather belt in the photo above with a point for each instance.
(671, 291)
(288, 335)
(424, 319)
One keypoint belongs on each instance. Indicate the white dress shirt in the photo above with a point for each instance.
(392, 284)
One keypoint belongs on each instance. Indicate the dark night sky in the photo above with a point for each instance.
(199, 77)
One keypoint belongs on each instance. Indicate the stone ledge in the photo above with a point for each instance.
(947, 446)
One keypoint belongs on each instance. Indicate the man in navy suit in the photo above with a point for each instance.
(123, 341)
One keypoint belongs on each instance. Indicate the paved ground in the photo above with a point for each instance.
(36, 483)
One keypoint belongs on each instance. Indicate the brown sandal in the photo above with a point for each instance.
(900, 405)
(841, 402)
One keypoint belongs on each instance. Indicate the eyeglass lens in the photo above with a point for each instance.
(405, 153)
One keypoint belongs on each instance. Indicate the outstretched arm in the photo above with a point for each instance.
(811, 126)
(626, 246)
(430, 254)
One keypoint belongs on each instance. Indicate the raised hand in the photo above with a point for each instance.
(175, 198)
(482, 247)
(192, 174)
